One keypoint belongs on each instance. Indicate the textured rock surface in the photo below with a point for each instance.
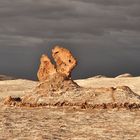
(79, 97)
(46, 68)
(65, 62)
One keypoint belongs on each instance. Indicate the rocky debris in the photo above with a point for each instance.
(124, 75)
(12, 100)
(65, 62)
(53, 78)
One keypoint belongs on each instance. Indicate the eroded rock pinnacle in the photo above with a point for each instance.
(65, 63)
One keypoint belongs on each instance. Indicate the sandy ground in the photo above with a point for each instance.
(64, 123)
(132, 82)
(16, 88)
(20, 87)
(58, 124)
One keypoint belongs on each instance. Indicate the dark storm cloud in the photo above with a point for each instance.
(103, 34)
(112, 2)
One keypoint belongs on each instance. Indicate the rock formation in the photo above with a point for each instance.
(56, 88)
(65, 63)
(46, 68)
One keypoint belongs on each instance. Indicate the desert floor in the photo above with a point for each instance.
(67, 123)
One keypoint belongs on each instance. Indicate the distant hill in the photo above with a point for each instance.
(5, 77)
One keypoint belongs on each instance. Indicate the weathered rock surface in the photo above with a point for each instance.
(118, 97)
(65, 62)
(46, 68)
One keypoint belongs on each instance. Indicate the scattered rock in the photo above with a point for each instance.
(12, 101)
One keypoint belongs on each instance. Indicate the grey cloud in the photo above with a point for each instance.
(103, 34)
(112, 2)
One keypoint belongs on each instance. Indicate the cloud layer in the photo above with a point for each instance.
(103, 34)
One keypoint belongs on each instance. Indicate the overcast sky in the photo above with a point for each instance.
(104, 35)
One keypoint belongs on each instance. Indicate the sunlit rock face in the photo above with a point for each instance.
(55, 79)
(65, 63)
(46, 68)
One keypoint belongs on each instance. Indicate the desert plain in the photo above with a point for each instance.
(26, 123)
(58, 108)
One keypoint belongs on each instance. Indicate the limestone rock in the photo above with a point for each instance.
(65, 62)
(46, 68)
